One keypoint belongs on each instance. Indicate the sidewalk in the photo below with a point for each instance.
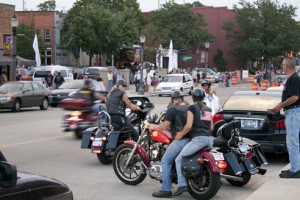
(278, 189)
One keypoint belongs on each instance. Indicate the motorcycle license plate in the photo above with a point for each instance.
(97, 143)
(218, 156)
(244, 147)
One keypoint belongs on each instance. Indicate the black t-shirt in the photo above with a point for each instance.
(202, 121)
(177, 116)
(292, 88)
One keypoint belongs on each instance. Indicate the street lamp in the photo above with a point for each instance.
(159, 55)
(14, 25)
(206, 57)
(197, 53)
(141, 87)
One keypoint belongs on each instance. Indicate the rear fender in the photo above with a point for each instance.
(139, 150)
(211, 161)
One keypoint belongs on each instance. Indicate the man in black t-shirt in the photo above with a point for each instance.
(291, 105)
(175, 119)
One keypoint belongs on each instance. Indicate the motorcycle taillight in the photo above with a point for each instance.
(222, 164)
(217, 117)
(280, 125)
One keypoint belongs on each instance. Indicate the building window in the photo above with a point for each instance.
(47, 38)
(48, 59)
(38, 32)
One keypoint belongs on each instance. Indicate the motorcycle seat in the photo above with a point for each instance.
(206, 148)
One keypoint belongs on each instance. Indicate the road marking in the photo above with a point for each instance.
(2, 146)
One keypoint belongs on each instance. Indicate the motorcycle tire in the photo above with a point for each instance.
(104, 159)
(135, 172)
(78, 134)
(246, 179)
(206, 186)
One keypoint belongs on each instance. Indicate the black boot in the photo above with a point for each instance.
(162, 194)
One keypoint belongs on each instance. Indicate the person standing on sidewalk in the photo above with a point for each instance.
(291, 105)
(110, 80)
(58, 80)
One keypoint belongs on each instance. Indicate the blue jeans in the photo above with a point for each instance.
(192, 147)
(110, 84)
(292, 124)
(168, 160)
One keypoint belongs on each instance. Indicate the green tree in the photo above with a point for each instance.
(219, 61)
(25, 41)
(194, 4)
(176, 22)
(263, 28)
(101, 26)
(48, 5)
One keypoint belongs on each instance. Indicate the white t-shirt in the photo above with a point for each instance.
(99, 86)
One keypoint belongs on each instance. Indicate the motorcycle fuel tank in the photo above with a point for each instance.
(160, 136)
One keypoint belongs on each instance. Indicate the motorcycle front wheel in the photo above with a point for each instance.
(135, 172)
(205, 186)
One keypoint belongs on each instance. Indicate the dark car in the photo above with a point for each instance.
(68, 87)
(250, 107)
(20, 94)
(17, 185)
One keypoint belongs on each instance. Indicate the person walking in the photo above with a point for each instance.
(3, 78)
(258, 77)
(220, 79)
(110, 79)
(198, 126)
(175, 119)
(147, 82)
(58, 80)
(49, 80)
(154, 81)
(291, 106)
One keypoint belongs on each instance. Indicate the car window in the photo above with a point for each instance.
(184, 80)
(93, 71)
(255, 103)
(36, 87)
(40, 74)
(174, 79)
(28, 86)
(9, 87)
(188, 78)
(63, 73)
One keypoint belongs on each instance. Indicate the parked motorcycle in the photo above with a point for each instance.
(132, 162)
(104, 138)
(244, 156)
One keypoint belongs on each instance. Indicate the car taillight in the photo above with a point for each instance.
(217, 117)
(280, 124)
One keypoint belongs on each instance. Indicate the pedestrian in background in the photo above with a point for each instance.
(258, 77)
(147, 82)
(291, 106)
(220, 80)
(110, 79)
(58, 80)
(3, 78)
(154, 81)
(49, 80)
(99, 86)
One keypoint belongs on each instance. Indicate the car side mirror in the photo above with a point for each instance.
(24, 91)
(8, 175)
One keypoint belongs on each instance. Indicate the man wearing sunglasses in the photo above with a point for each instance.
(116, 103)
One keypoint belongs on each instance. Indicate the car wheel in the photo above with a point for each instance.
(45, 104)
(159, 95)
(17, 105)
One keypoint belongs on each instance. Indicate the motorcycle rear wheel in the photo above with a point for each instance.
(78, 134)
(246, 179)
(206, 186)
(135, 172)
(104, 159)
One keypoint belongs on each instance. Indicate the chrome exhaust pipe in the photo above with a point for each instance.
(234, 178)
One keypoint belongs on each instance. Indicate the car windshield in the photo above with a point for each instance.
(72, 85)
(93, 71)
(253, 103)
(11, 87)
(279, 78)
(174, 79)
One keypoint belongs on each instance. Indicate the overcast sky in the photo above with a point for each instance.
(145, 5)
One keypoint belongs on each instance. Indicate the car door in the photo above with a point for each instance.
(188, 83)
(38, 94)
(27, 95)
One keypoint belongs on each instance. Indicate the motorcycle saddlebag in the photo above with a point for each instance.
(113, 138)
(258, 157)
(233, 163)
(85, 141)
(190, 166)
(76, 104)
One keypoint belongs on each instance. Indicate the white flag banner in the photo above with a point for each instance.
(170, 54)
(35, 46)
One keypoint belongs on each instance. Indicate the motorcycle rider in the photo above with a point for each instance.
(88, 91)
(117, 100)
(198, 126)
(175, 119)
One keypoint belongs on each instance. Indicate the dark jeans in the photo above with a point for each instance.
(121, 122)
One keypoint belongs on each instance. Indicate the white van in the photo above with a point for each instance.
(40, 72)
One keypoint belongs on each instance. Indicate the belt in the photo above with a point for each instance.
(291, 107)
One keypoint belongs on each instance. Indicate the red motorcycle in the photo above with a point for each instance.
(132, 162)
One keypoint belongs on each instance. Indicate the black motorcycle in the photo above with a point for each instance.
(244, 156)
(104, 138)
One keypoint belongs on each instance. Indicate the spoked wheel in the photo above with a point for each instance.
(134, 173)
(246, 179)
(205, 186)
(104, 159)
